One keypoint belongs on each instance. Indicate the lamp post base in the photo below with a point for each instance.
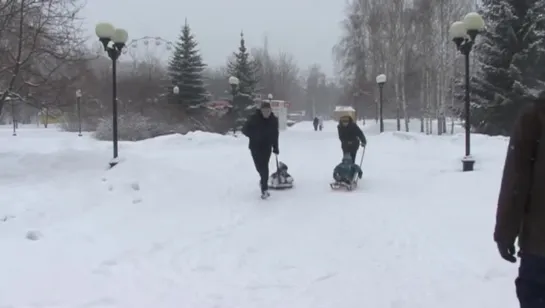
(114, 162)
(468, 163)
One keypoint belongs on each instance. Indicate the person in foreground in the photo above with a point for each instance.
(521, 205)
(351, 136)
(262, 131)
(346, 171)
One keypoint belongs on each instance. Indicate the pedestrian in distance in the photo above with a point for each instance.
(521, 204)
(351, 136)
(315, 123)
(320, 123)
(262, 131)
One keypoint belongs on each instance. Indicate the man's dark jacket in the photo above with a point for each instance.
(351, 136)
(262, 132)
(521, 203)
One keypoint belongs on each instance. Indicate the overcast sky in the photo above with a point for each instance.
(306, 28)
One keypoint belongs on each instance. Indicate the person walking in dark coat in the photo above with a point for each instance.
(315, 123)
(262, 131)
(351, 136)
(521, 205)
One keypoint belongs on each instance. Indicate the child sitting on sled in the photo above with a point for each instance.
(345, 172)
(281, 179)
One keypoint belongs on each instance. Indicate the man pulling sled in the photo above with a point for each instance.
(262, 131)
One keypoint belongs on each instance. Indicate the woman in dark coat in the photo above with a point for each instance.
(351, 136)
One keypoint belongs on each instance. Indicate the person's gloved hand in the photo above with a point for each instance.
(507, 252)
(275, 151)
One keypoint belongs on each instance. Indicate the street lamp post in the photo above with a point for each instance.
(113, 41)
(175, 91)
(8, 99)
(78, 106)
(381, 80)
(463, 34)
(234, 82)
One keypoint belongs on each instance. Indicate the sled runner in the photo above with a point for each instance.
(348, 186)
(281, 179)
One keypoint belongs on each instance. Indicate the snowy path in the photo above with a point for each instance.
(150, 234)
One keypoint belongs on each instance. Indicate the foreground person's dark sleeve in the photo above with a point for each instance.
(517, 176)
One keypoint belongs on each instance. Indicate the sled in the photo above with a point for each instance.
(280, 180)
(280, 183)
(348, 186)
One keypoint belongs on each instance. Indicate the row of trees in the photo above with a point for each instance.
(408, 41)
(45, 61)
(146, 87)
(258, 71)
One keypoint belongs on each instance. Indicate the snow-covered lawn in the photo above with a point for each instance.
(179, 224)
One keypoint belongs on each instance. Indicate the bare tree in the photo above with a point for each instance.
(279, 74)
(408, 41)
(39, 38)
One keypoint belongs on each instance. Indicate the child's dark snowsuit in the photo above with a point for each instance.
(346, 170)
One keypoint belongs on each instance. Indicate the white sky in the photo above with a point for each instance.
(306, 28)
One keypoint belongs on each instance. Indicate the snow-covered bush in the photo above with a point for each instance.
(134, 127)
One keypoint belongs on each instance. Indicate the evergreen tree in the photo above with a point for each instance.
(531, 58)
(510, 57)
(186, 70)
(244, 68)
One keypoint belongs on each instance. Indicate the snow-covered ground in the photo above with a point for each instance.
(180, 224)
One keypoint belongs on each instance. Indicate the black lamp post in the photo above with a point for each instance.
(381, 80)
(113, 41)
(175, 91)
(78, 106)
(463, 33)
(234, 83)
(13, 118)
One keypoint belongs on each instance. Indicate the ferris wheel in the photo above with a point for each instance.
(149, 49)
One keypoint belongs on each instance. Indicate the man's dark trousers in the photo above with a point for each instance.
(353, 150)
(261, 159)
(530, 283)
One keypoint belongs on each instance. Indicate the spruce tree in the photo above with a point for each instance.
(244, 68)
(510, 58)
(529, 62)
(186, 71)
